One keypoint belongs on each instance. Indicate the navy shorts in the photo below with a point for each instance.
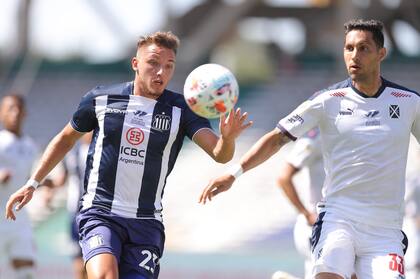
(74, 233)
(137, 244)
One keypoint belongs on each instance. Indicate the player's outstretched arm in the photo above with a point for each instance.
(54, 153)
(262, 150)
(221, 148)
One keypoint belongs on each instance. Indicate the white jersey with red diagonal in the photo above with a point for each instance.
(365, 142)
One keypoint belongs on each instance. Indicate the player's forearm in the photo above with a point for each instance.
(263, 149)
(290, 192)
(224, 150)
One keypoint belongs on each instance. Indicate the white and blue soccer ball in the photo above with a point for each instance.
(211, 90)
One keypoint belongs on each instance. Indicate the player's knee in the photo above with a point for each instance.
(102, 266)
(79, 268)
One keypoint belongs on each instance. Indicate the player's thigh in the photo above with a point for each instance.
(333, 249)
(385, 260)
(101, 248)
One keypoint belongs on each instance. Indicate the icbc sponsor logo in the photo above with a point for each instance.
(135, 136)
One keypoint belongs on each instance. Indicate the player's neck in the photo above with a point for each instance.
(368, 87)
(15, 132)
(139, 91)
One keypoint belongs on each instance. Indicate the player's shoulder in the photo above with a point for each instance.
(399, 91)
(119, 89)
(335, 90)
(7, 138)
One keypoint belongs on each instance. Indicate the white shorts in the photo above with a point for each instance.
(302, 235)
(17, 241)
(344, 246)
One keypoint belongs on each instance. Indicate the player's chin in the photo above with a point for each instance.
(157, 89)
(354, 75)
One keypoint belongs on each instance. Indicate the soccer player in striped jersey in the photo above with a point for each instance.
(365, 124)
(138, 130)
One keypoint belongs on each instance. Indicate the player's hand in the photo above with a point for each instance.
(21, 197)
(216, 186)
(311, 218)
(232, 126)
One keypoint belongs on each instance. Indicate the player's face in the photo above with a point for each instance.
(12, 114)
(154, 66)
(362, 56)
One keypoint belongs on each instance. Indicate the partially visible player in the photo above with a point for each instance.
(18, 152)
(365, 124)
(306, 157)
(412, 228)
(75, 164)
(412, 214)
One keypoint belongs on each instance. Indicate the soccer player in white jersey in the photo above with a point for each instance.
(75, 165)
(412, 213)
(17, 155)
(305, 158)
(412, 227)
(138, 131)
(365, 124)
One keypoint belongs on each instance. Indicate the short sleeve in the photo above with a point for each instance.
(84, 119)
(302, 119)
(193, 122)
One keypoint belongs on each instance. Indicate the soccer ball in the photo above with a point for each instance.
(211, 90)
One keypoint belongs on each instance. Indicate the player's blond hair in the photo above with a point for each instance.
(165, 39)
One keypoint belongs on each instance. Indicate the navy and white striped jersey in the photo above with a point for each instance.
(364, 142)
(135, 144)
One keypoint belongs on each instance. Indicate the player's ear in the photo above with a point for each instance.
(134, 63)
(382, 53)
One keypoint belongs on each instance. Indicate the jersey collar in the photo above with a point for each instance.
(377, 94)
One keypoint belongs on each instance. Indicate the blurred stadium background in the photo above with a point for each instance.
(281, 52)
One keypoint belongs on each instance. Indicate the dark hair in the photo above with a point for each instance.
(17, 97)
(374, 26)
(165, 39)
